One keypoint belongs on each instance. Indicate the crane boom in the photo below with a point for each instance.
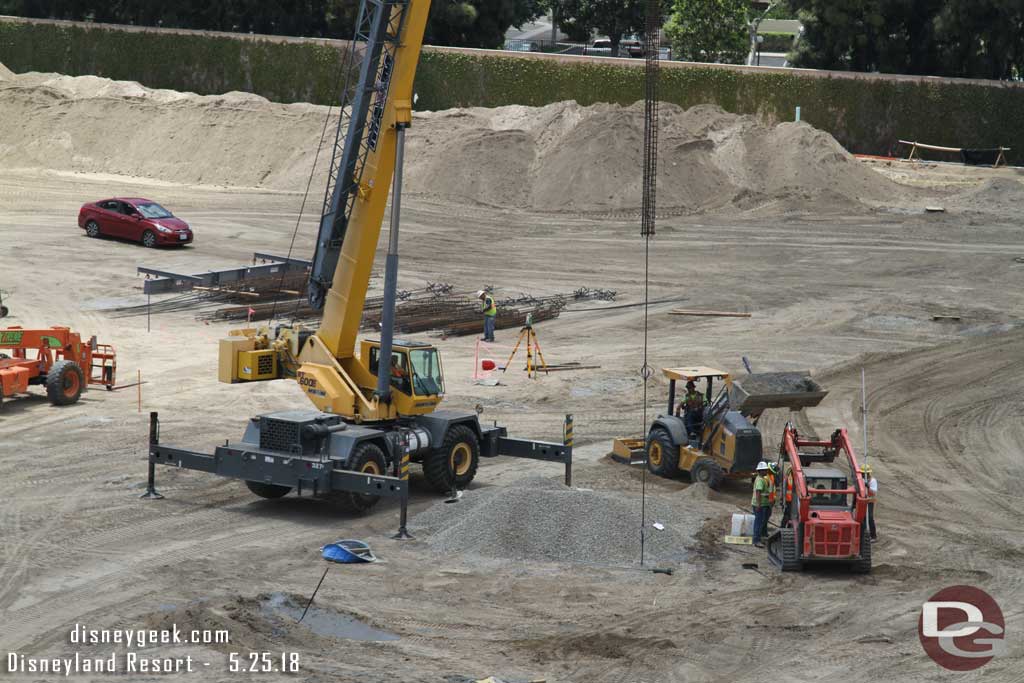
(375, 112)
(391, 33)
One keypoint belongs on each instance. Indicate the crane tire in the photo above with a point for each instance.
(270, 491)
(454, 464)
(367, 458)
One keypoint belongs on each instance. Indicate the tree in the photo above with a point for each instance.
(612, 18)
(478, 23)
(470, 23)
(754, 20)
(968, 38)
(709, 30)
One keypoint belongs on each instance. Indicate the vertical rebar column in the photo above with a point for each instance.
(652, 48)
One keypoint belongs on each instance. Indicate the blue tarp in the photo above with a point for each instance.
(348, 551)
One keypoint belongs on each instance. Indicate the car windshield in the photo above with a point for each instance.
(153, 210)
(426, 372)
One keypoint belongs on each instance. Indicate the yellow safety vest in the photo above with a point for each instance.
(489, 308)
(763, 488)
(693, 401)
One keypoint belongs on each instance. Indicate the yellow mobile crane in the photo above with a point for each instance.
(376, 409)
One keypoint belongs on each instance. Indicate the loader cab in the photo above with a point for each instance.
(826, 479)
(416, 373)
(705, 378)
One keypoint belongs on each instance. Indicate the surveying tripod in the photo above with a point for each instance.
(529, 335)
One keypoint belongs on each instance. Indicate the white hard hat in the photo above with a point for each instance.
(480, 293)
(762, 466)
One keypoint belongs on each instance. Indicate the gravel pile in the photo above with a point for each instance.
(540, 519)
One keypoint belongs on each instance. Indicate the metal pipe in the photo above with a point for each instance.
(568, 439)
(154, 440)
(864, 411)
(319, 430)
(387, 318)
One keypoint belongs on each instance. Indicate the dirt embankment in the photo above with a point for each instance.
(561, 157)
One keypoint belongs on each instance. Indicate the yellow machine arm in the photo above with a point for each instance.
(375, 114)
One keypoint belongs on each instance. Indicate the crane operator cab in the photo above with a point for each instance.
(416, 375)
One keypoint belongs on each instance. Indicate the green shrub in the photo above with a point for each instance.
(777, 42)
(865, 113)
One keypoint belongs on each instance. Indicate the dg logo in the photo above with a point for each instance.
(962, 628)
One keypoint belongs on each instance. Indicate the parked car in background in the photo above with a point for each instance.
(133, 218)
(629, 46)
(601, 47)
(522, 46)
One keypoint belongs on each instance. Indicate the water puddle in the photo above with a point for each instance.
(322, 621)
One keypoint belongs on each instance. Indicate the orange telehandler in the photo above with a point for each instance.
(56, 358)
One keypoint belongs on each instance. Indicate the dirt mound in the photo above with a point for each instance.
(541, 520)
(568, 157)
(96, 125)
(5, 73)
(562, 157)
(994, 194)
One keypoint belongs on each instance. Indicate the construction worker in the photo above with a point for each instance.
(871, 484)
(773, 477)
(490, 312)
(692, 406)
(787, 509)
(760, 501)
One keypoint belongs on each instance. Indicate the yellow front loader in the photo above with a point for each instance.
(725, 442)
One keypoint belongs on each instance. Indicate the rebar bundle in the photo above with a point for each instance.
(436, 306)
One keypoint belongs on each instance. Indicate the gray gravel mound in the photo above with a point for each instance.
(542, 520)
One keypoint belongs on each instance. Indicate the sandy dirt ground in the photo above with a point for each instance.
(832, 286)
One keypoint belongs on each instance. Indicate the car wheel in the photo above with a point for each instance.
(92, 229)
(148, 239)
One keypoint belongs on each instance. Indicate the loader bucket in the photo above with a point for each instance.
(755, 393)
(628, 451)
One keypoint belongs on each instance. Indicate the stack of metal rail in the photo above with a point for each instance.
(275, 287)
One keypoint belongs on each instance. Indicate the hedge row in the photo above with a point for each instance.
(866, 114)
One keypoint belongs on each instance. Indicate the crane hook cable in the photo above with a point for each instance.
(309, 183)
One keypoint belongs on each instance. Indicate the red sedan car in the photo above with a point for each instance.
(142, 220)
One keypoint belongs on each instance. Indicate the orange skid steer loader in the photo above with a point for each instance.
(55, 358)
(826, 521)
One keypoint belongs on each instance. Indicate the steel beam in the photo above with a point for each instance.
(282, 259)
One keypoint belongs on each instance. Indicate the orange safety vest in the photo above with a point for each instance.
(771, 488)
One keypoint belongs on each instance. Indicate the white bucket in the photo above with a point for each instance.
(742, 524)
